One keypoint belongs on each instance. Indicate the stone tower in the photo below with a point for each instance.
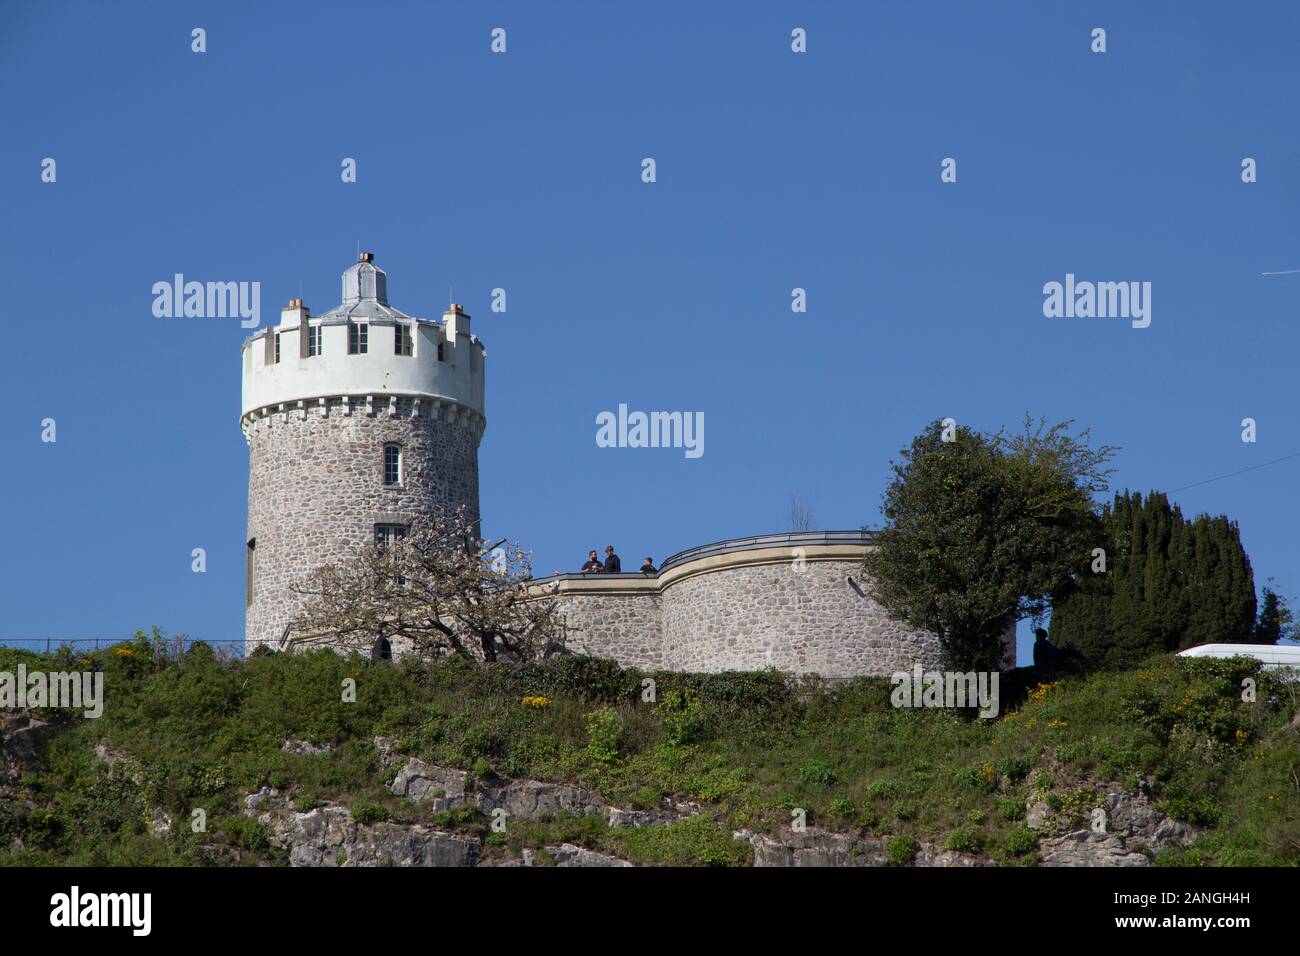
(358, 421)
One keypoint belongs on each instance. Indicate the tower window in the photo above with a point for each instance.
(384, 533)
(440, 358)
(402, 343)
(277, 348)
(358, 338)
(313, 340)
(392, 464)
(248, 572)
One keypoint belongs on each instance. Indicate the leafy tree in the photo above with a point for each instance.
(436, 590)
(980, 529)
(1168, 584)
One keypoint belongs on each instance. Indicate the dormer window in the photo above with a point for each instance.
(402, 342)
(358, 338)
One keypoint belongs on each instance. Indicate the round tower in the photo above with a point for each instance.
(358, 422)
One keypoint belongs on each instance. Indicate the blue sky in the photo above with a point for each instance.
(522, 171)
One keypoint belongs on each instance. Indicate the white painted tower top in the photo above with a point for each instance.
(363, 347)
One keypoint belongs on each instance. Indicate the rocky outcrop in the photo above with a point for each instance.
(444, 788)
(1085, 848)
(1129, 831)
(566, 854)
(817, 847)
(329, 836)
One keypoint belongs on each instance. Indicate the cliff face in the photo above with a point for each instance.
(330, 835)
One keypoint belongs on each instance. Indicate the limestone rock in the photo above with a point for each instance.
(445, 788)
(1085, 848)
(329, 836)
(442, 787)
(566, 854)
(817, 847)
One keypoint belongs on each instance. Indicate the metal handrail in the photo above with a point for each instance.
(789, 539)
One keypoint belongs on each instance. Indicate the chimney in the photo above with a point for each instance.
(456, 320)
(293, 315)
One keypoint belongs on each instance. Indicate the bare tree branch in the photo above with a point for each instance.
(436, 590)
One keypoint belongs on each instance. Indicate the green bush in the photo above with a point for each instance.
(604, 735)
(901, 850)
(1014, 768)
(882, 790)
(905, 811)
(365, 812)
(1021, 840)
(817, 775)
(693, 841)
(243, 832)
(1012, 808)
(966, 840)
(683, 717)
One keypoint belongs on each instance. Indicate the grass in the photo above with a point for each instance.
(197, 732)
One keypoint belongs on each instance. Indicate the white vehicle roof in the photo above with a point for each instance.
(1274, 655)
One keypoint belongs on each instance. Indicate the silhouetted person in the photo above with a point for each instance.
(1046, 654)
(382, 650)
(593, 565)
(612, 564)
(649, 567)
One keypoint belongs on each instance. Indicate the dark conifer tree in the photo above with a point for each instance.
(1169, 584)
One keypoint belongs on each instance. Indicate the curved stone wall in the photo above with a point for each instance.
(316, 491)
(764, 610)
(793, 602)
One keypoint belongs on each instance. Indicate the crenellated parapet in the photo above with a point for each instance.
(364, 348)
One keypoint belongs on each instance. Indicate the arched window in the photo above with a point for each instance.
(392, 464)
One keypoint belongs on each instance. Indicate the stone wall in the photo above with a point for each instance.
(749, 616)
(622, 624)
(316, 491)
(799, 606)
